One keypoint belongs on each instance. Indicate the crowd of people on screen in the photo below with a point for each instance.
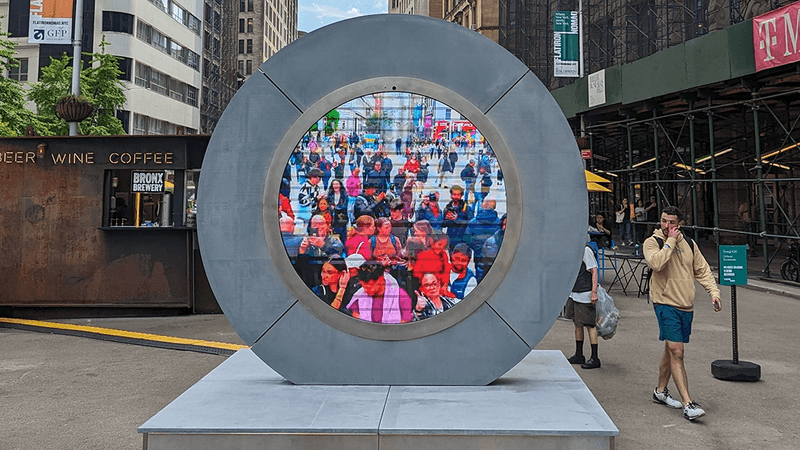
(374, 241)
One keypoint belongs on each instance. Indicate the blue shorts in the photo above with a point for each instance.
(673, 324)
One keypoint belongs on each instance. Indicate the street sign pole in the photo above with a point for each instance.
(76, 59)
(735, 331)
(733, 271)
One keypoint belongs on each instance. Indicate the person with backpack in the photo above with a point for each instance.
(385, 246)
(676, 263)
(468, 176)
(581, 309)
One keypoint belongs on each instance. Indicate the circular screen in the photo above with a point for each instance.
(392, 208)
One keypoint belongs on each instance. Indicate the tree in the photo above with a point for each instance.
(14, 118)
(99, 84)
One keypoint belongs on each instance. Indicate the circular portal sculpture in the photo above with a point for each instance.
(253, 279)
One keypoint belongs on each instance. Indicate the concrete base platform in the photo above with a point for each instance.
(541, 403)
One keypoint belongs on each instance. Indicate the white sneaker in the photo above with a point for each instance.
(693, 411)
(665, 399)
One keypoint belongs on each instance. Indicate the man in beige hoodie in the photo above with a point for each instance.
(676, 262)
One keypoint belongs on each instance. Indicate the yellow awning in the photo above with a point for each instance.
(594, 187)
(594, 178)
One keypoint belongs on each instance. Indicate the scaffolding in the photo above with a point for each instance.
(727, 155)
(615, 31)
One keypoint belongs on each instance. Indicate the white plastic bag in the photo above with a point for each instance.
(607, 314)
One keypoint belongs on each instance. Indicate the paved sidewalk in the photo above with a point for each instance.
(64, 392)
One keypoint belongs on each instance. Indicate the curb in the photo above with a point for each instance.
(121, 336)
(772, 290)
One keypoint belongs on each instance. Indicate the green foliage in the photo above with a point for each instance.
(14, 118)
(54, 82)
(99, 84)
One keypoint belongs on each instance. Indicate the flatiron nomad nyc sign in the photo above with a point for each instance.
(775, 37)
(50, 22)
(566, 44)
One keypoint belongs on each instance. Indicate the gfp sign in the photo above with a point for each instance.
(273, 310)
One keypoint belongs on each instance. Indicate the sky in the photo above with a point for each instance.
(313, 14)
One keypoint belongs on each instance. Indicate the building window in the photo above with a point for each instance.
(162, 42)
(20, 72)
(241, 5)
(178, 13)
(18, 18)
(241, 46)
(250, 25)
(156, 81)
(249, 5)
(241, 25)
(249, 66)
(125, 65)
(161, 4)
(177, 90)
(194, 24)
(241, 66)
(117, 21)
(249, 46)
(191, 95)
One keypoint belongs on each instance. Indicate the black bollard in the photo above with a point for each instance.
(735, 370)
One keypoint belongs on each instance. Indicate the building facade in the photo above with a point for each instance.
(264, 27)
(431, 8)
(160, 46)
(219, 60)
(478, 15)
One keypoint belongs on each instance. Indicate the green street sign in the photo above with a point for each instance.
(566, 44)
(732, 265)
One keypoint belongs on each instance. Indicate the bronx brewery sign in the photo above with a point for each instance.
(50, 22)
(490, 330)
(147, 182)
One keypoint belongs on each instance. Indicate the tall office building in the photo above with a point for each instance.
(432, 8)
(220, 79)
(265, 26)
(160, 46)
(478, 15)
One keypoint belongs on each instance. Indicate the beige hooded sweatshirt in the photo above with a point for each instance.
(675, 267)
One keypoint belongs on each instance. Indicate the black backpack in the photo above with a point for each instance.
(583, 283)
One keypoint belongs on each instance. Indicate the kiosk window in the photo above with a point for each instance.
(140, 198)
(190, 194)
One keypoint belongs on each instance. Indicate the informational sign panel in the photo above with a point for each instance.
(50, 22)
(566, 44)
(147, 182)
(775, 37)
(597, 88)
(732, 265)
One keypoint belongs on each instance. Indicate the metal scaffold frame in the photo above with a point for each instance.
(727, 156)
(616, 31)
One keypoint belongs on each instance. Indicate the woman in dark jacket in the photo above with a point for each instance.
(338, 199)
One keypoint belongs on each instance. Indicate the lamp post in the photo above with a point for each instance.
(76, 58)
